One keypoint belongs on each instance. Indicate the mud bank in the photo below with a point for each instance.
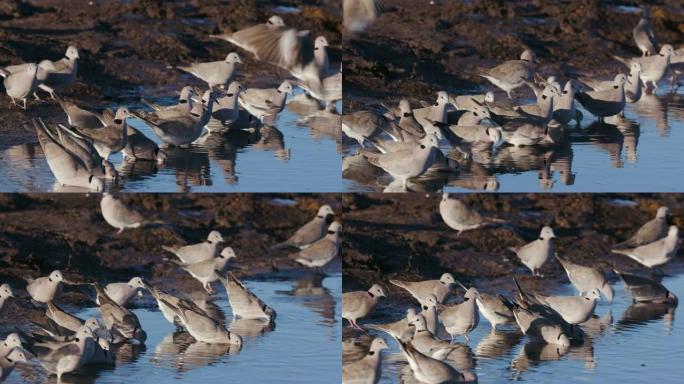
(414, 49)
(128, 48)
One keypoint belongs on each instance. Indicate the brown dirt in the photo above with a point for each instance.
(402, 236)
(414, 49)
(43, 232)
(126, 48)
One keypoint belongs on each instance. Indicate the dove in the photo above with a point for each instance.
(425, 341)
(8, 362)
(322, 251)
(178, 130)
(62, 73)
(21, 84)
(651, 231)
(644, 34)
(543, 108)
(509, 75)
(536, 326)
(468, 102)
(406, 164)
(121, 293)
(205, 271)
(477, 133)
(573, 309)
(261, 102)
(327, 89)
(194, 253)
(535, 254)
(460, 217)
(409, 127)
(226, 110)
(367, 369)
(564, 109)
(526, 132)
(429, 313)
(202, 327)
(365, 125)
(475, 115)
(5, 294)
(64, 357)
(11, 342)
(356, 305)
(63, 319)
(119, 320)
(431, 371)
(78, 117)
(244, 303)
(215, 73)
(606, 102)
(653, 68)
(434, 113)
(67, 166)
(645, 290)
(494, 310)
(110, 138)
(461, 319)
(655, 253)
(587, 279)
(140, 147)
(421, 290)
(310, 232)
(633, 89)
(120, 216)
(167, 302)
(358, 15)
(184, 106)
(399, 329)
(47, 288)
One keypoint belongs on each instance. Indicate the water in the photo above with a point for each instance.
(303, 347)
(641, 341)
(305, 160)
(639, 154)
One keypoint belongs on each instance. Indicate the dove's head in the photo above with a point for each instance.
(620, 79)
(215, 237)
(547, 233)
(662, 212)
(92, 323)
(228, 253)
(185, 94)
(429, 141)
(673, 231)
(334, 228)
(562, 339)
(233, 58)
(286, 87)
(430, 302)
(489, 97)
(320, 42)
(569, 88)
(12, 341)
(84, 332)
(635, 68)
(276, 21)
(72, 53)
(6, 291)
(56, 276)
(480, 110)
(378, 345)
(122, 113)
(528, 55)
(667, 50)
(593, 295)
(418, 321)
(447, 278)
(234, 89)
(405, 107)
(136, 282)
(410, 314)
(442, 98)
(377, 291)
(325, 211)
(95, 183)
(16, 356)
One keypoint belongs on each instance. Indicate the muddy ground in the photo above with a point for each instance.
(128, 48)
(414, 49)
(402, 236)
(43, 232)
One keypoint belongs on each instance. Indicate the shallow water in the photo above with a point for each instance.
(627, 343)
(640, 153)
(305, 158)
(301, 348)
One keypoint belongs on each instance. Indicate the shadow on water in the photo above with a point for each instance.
(299, 151)
(621, 154)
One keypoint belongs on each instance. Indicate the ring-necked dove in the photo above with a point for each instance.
(11, 341)
(7, 363)
(63, 72)
(399, 329)
(587, 279)
(178, 130)
(226, 110)
(183, 107)
(606, 102)
(494, 310)
(215, 73)
(535, 254)
(633, 88)
(327, 89)
(436, 112)
(460, 217)
(265, 102)
(421, 290)
(573, 309)
(202, 327)
(655, 253)
(310, 232)
(461, 319)
(510, 74)
(244, 303)
(645, 290)
(5, 293)
(425, 341)
(110, 138)
(651, 231)
(365, 125)
(653, 68)
(644, 34)
(205, 271)
(194, 253)
(21, 84)
(64, 357)
(166, 303)
(536, 326)
(118, 319)
(432, 371)
(121, 293)
(120, 216)
(357, 304)
(367, 369)
(467, 102)
(140, 147)
(322, 251)
(47, 288)
(564, 110)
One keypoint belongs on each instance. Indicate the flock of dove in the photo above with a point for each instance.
(405, 142)
(63, 343)
(77, 153)
(544, 318)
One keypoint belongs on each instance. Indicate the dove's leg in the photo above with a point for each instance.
(24, 104)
